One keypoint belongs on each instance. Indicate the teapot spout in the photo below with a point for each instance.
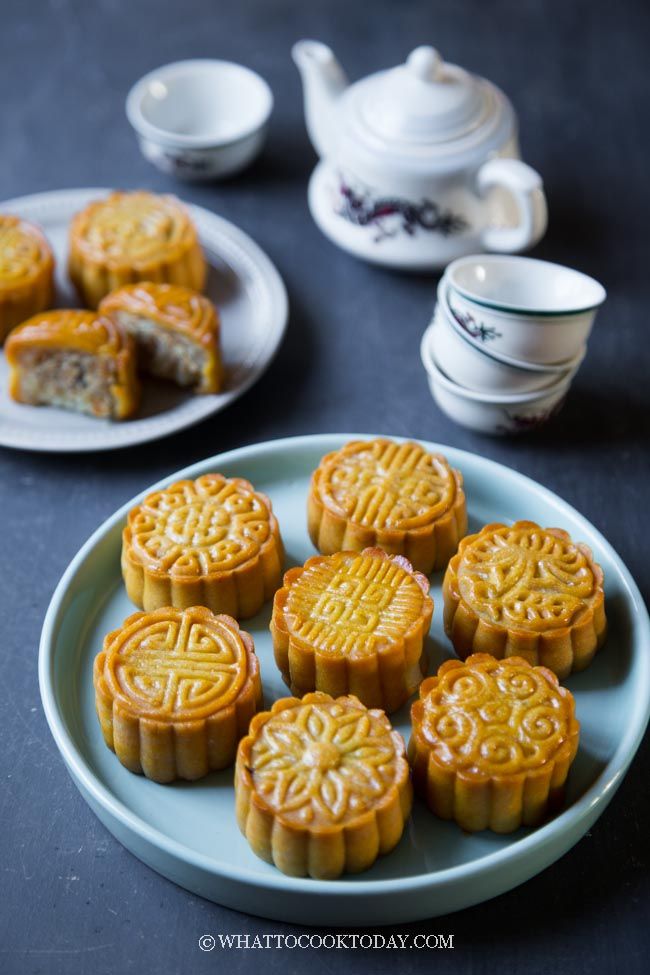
(324, 82)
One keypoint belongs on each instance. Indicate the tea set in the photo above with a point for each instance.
(419, 170)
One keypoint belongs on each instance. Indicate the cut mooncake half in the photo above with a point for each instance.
(175, 691)
(26, 272)
(212, 542)
(322, 786)
(76, 360)
(521, 590)
(492, 742)
(136, 236)
(353, 623)
(176, 331)
(394, 495)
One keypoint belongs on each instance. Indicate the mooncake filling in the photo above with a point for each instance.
(163, 352)
(69, 379)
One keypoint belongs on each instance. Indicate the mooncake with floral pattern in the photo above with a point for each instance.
(322, 786)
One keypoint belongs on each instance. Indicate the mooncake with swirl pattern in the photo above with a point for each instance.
(26, 272)
(492, 742)
(176, 331)
(353, 623)
(130, 237)
(394, 495)
(322, 786)
(212, 542)
(521, 590)
(175, 691)
(77, 360)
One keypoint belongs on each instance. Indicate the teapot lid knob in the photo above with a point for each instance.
(426, 63)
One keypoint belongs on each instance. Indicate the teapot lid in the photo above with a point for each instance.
(424, 101)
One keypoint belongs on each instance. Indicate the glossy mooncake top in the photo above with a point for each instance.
(353, 604)
(494, 717)
(176, 665)
(136, 229)
(385, 485)
(169, 305)
(70, 329)
(24, 253)
(200, 528)
(522, 576)
(322, 761)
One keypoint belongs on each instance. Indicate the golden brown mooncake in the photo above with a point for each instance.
(128, 237)
(212, 542)
(394, 495)
(176, 331)
(322, 786)
(26, 272)
(353, 623)
(74, 359)
(175, 691)
(525, 591)
(492, 742)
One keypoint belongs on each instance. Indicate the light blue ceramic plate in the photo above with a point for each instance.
(188, 831)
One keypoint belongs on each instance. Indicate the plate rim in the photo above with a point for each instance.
(581, 812)
(279, 303)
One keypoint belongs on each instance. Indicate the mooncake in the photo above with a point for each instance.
(128, 237)
(521, 590)
(353, 623)
(175, 691)
(176, 331)
(394, 495)
(78, 360)
(322, 786)
(212, 542)
(492, 742)
(26, 272)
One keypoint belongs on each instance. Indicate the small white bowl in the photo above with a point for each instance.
(475, 368)
(526, 338)
(200, 119)
(492, 413)
(525, 285)
(527, 309)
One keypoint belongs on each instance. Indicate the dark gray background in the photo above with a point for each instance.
(71, 899)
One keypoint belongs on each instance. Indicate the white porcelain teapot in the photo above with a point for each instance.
(419, 164)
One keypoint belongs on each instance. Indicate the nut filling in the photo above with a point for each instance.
(73, 380)
(163, 353)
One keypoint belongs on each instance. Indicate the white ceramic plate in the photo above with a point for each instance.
(242, 282)
(188, 832)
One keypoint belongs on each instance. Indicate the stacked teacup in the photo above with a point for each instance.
(507, 337)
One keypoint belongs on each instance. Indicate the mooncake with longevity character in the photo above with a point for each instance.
(175, 691)
(26, 272)
(129, 237)
(77, 360)
(353, 623)
(322, 786)
(492, 742)
(521, 590)
(211, 542)
(176, 331)
(394, 495)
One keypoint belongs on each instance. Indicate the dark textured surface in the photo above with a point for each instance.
(71, 898)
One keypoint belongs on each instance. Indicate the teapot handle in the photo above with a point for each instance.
(524, 184)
